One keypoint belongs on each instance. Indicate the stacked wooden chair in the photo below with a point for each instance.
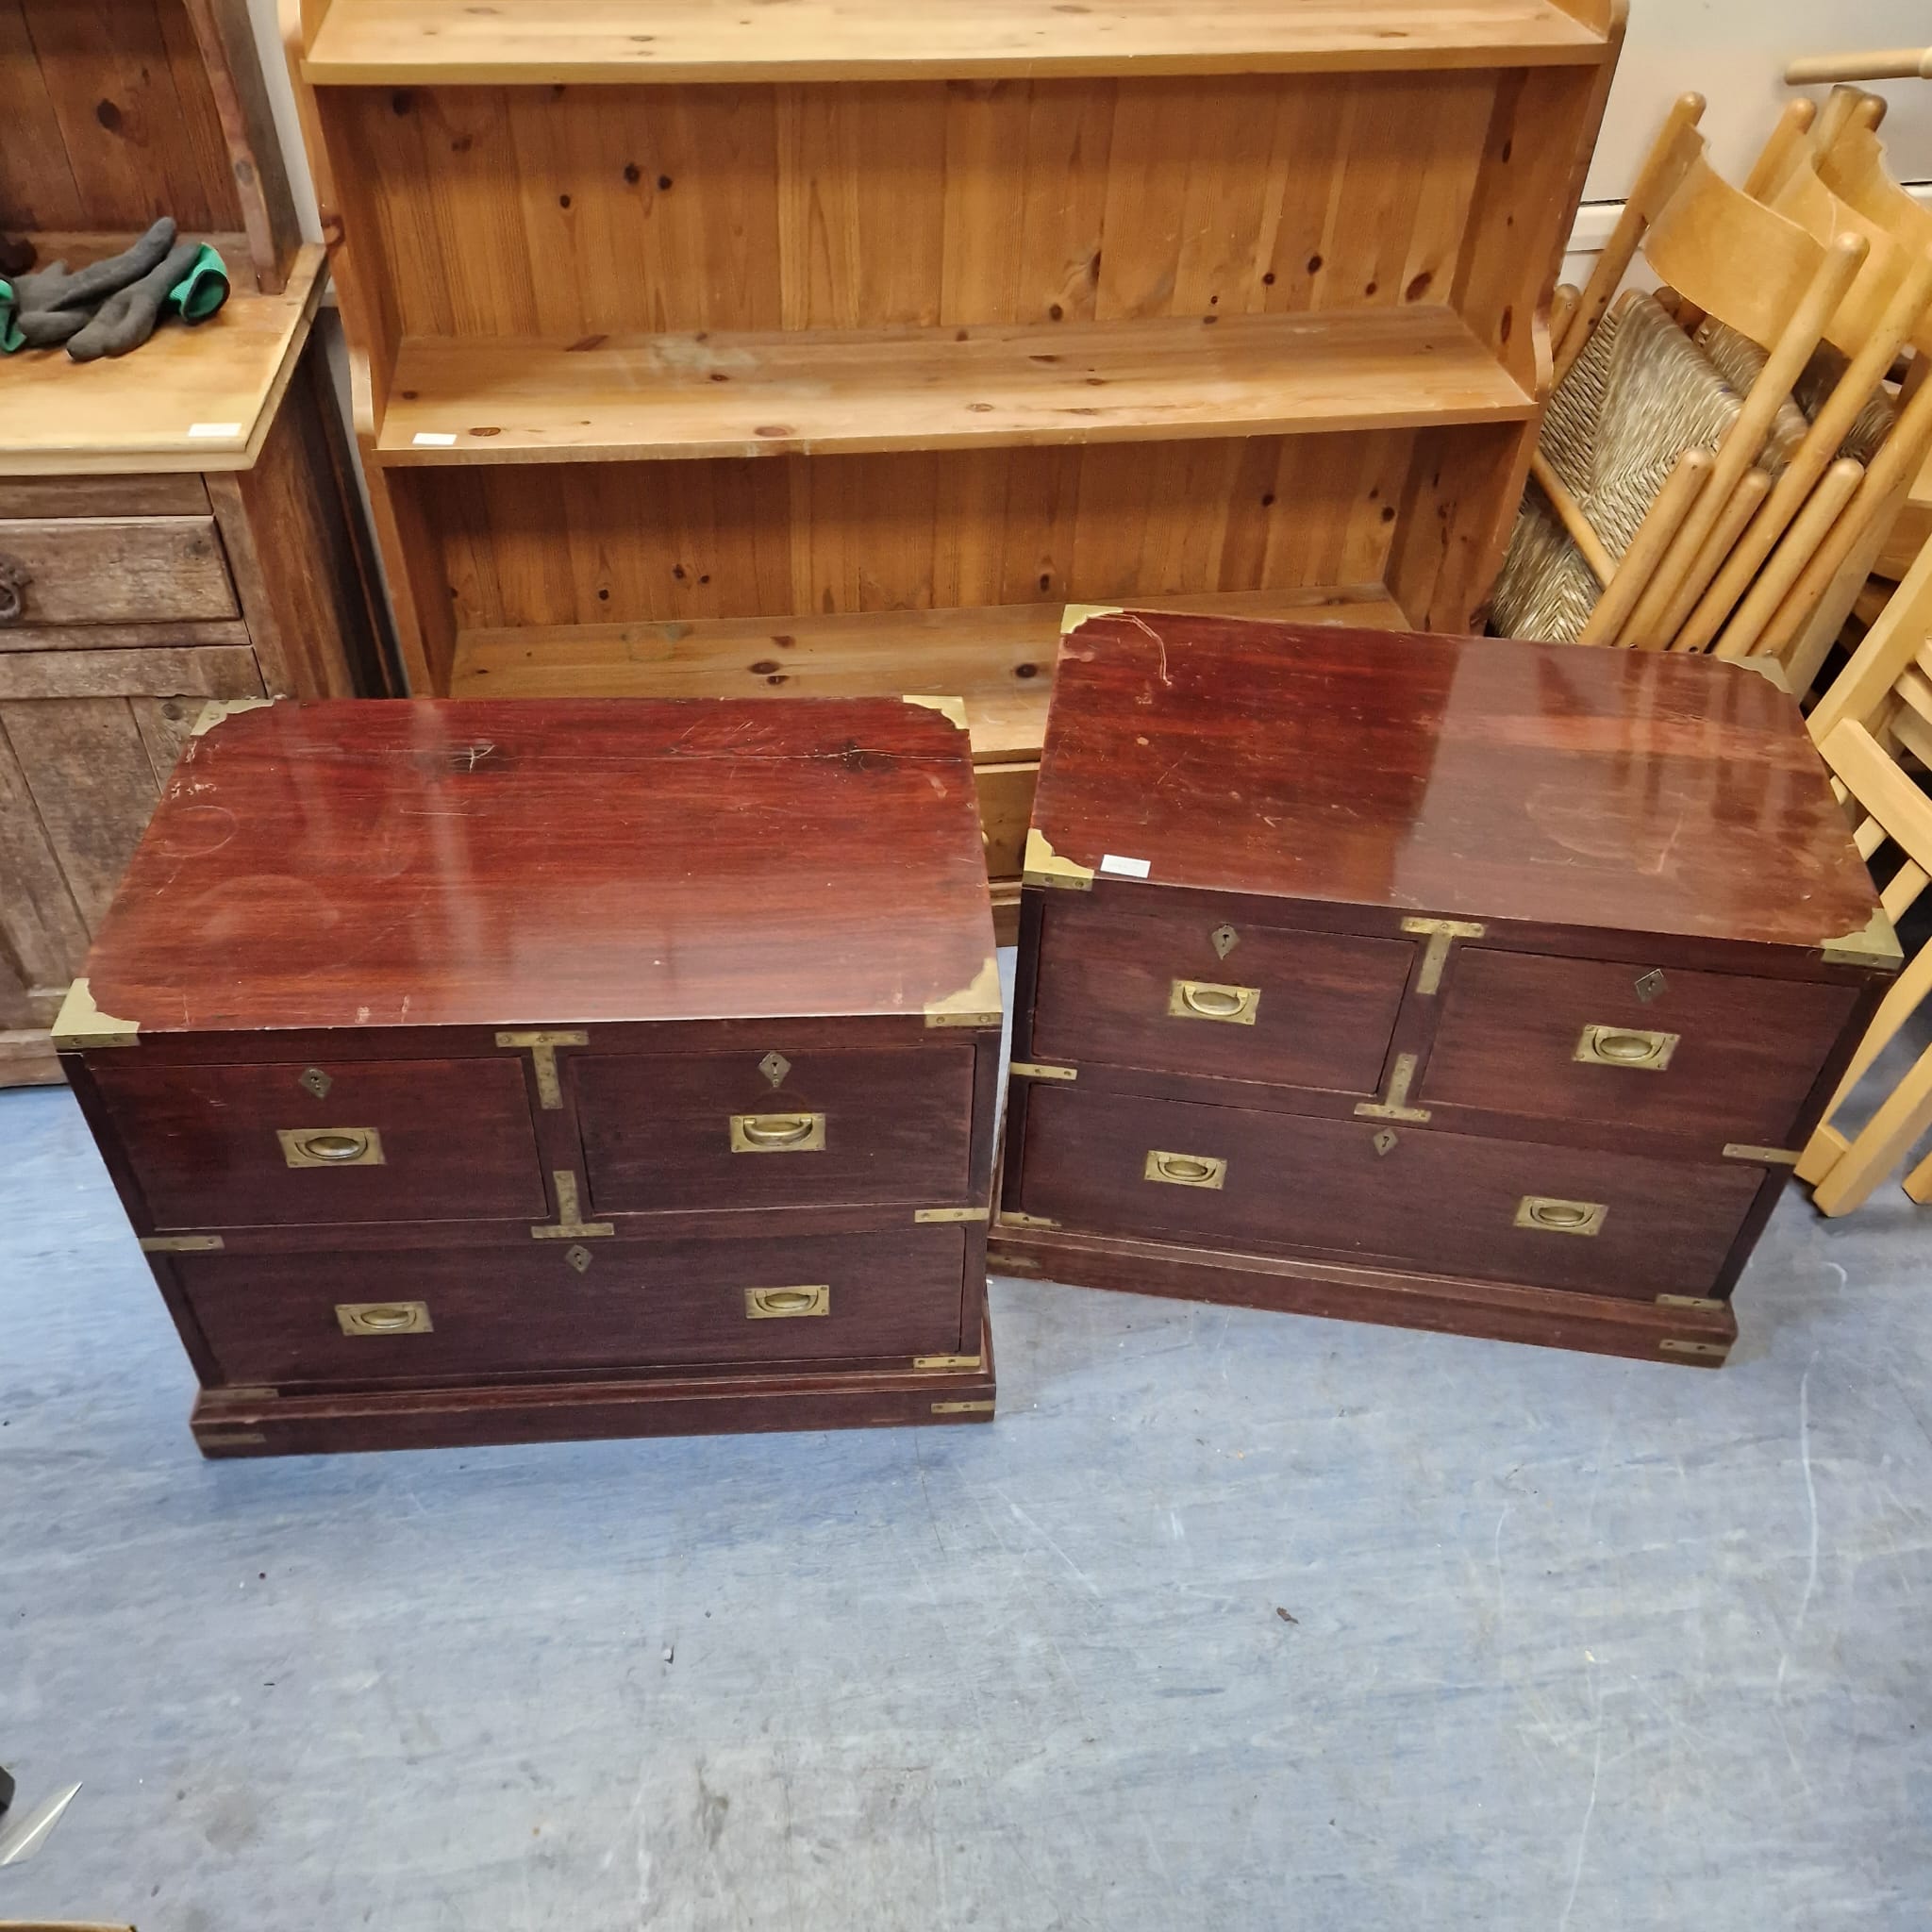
(1721, 460)
(1874, 728)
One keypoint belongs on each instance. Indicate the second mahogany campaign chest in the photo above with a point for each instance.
(496, 1072)
(1458, 983)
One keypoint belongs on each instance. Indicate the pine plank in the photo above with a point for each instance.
(683, 396)
(63, 417)
(364, 42)
(999, 658)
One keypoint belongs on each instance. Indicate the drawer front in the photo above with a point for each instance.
(1181, 994)
(1715, 1055)
(113, 569)
(1401, 1196)
(468, 1313)
(240, 1146)
(663, 1133)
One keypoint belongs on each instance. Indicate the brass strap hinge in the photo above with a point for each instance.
(1393, 1106)
(1441, 932)
(1770, 1156)
(542, 1048)
(1033, 1070)
(180, 1244)
(951, 1213)
(567, 1226)
(1687, 1301)
(935, 1364)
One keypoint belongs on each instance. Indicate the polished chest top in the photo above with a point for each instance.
(1474, 777)
(426, 863)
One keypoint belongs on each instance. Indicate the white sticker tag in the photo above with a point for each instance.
(433, 439)
(1128, 868)
(220, 429)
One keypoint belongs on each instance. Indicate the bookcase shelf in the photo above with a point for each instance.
(416, 42)
(853, 339)
(483, 400)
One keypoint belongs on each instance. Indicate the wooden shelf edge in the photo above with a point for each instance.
(998, 659)
(66, 419)
(427, 43)
(728, 396)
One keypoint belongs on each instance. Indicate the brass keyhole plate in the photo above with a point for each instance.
(577, 1255)
(1224, 938)
(1650, 984)
(1385, 1142)
(317, 1082)
(775, 1066)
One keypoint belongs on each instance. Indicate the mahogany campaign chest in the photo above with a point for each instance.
(492, 1072)
(1457, 983)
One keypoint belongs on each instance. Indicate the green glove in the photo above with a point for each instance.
(39, 310)
(190, 281)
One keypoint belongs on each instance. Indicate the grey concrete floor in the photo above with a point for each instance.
(1229, 1620)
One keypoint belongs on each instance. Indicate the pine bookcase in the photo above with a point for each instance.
(831, 346)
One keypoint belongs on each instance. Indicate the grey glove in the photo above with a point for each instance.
(128, 317)
(39, 311)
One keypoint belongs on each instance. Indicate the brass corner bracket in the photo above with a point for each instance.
(80, 1026)
(1873, 943)
(954, 708)
(1439, 932)
(567, 1226)
(1043, 866)
(976, 1004)
(218, 710)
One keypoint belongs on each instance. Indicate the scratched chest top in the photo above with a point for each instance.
(438, 864)
(1461, 983)
(501, 1072)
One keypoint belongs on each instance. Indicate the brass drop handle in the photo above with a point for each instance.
(384, 1318)
(1555, 1216)
(778, 1304)
(1184, 1167)
(1560, 1213)
(1216, 1002)
(777, 1133)
(387, 1318)
(14, 579)
(336, 1147)
(1626, 1046)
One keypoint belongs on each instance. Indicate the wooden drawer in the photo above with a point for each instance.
(280, 1319)
(234, 1146)
(665, 1132)
(116, 570)
(1746, 1052)
(1449, 1204)
(1132, 987)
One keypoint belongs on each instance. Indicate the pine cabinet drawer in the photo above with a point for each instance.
(666, 1132)
(1224, 1178)
(112, 570)
(1714, 1055)
(237, 1146)
(418, 1316)
(1179, 993)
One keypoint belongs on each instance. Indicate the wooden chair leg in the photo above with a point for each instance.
(1901, 632)
(1901, 1001)
(1881, 1144)
(1570, 514)
(1746, 500)
(1796, 549)
(1919, 1182)
(1676, 502)
(1786, 145)
(1662, 169)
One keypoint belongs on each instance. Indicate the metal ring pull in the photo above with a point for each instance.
(1626, 1046)
(781, 1304)
(777, 1133)
(331, 1146)
(336, 1147)
(1184, 1169)
(1553, 1216)
(1202, 999)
